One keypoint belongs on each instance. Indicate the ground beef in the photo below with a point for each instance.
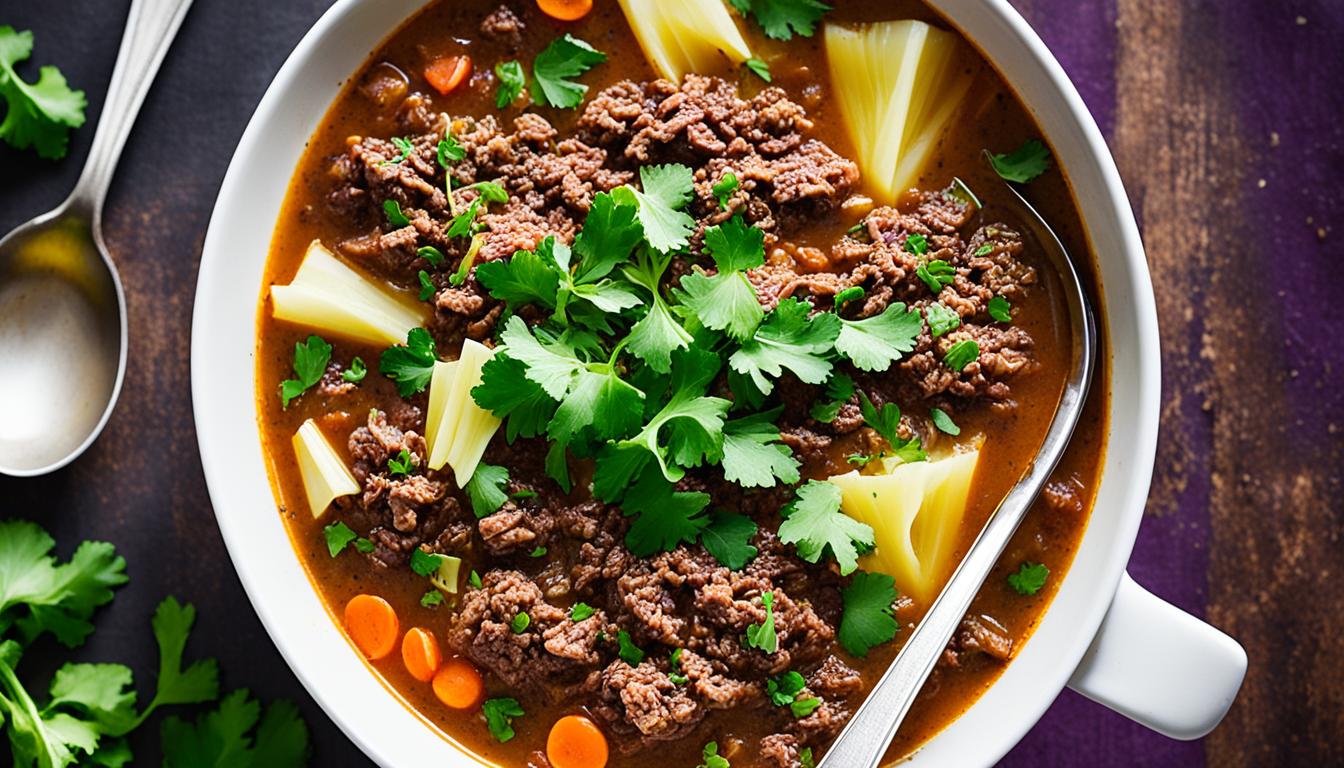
(643, 702)
(503, 25)
(835, 678)
(978, 635)
(781, 750)
(515, 529)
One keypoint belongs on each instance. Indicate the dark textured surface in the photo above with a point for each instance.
(1225, 120)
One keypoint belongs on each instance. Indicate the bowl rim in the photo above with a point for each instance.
(307, 634)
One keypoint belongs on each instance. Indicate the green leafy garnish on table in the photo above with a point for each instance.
(1029, 578)
(867, 620)
(41, 114)
(310, 362)
(565, 58)
(782, 19)
(1024, 163)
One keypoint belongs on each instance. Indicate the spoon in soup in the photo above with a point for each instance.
(62, 311)
(864, 740)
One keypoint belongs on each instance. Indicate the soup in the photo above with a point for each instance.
(633, 391)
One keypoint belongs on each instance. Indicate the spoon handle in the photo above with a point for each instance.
(150, 28)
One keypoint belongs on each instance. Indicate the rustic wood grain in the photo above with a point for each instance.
(1200, 101)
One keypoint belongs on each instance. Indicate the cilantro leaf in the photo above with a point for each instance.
(403, 463)
(356, 372)
(220, 737)
(511, 81)
(763, 636)
(525, 278)
(874, 343)
(941, 319)
(666, 191)
(944, 422)
(887, 423)
(609, 235)
(431, 598)
(338, 536)
(404, 150)
(1029, 578)
(200, 680)
(1024, 163)
(726, 538)
(999, 309)
(852, 293)
(788, 339)
(431, 254)
(629, 652)
(411, 366)
(692, 421)
(552, 367)
(392, 209)
(814, 523)
(566, 57)
(520, 623)
(725, 187)
(759, 67)
(782, 19)
(425, 563)
(602, 400)
(666, 517)
(784, 688)
(499, 714)
(961, 354)
(580, 611)
(752, 457)
(485, 489)
(38, 595)
(936, 274)
(726, 301)
(449, 151)
(711, 756)
(310, 362)
(41, 114)
(839, 390)
(506, 391)
(426, 285)
(803, 707)
(657, 335)
(867, 620)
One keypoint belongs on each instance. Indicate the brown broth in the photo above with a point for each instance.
(1011, 438)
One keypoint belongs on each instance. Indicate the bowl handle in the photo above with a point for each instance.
(1160, 666)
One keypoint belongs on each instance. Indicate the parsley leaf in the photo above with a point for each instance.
(666, 189)
(752, 457)
(363, 545)
(199, 681)
(1029, 579)
(404, 150)
(916, 243)
(499, 714)
(425, 563)
(874, 343)
(725, 187)
(528, 277)
(426, 285)
(580, 611)
(666, 517)
(1024, 163)
(431, 254)
(784, 688)
(392, 209)
(511, 81)
(726, 538)
(944, 422)
(506, 391)
(449, 152)
(782, 19)
(338, 536)
(356, 372)
(839, 389)
(814, 523)
(220, 737)
(805, 758)
(609, 235)
(41, 114)
(788, 339)
(763, 636)
(941, 319)
(961, 354)
(403, 463)
(691, 421)
(657, 335)
(566, 57)
(759, 67)
(599, 399)
(999, 309)
(629, 652)
(410, 366)
(867, 620)
(803, 707)
(485, 489)
(431, 598)
(37, 595)
(726, 301)
(936, 274)
(520, 623)
(712, 758)
(887, 423)
(310, 362)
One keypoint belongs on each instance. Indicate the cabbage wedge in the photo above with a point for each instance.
(915, 511)
(325, 476)
(680, 36)
(457, 430)
(328, 295)
(899, 84)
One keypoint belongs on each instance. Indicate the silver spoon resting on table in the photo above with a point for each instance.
(62, 311)
(864, 740)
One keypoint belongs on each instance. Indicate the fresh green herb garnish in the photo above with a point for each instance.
(403, 463)
(511, 81)
(712, 758)
(392, 209)
(538, 552)
(426, 286)
(425, 563)
(628, 651)
(485, 489)
(852, 293)
(839, 390)
(814, 523)
(665, 191)
(474, 579)
(941, 319)
(1000, 309)
(310, 362)
(431, 254)
(566, 57)
(887, 423)
(1029, 578)
(523, 494)
(499, 714)
(520, 623)
(431, 598)
(960, 354)
(752, 455)
(727, 538)
(449, 151)
(805, 758)
(363, 545)
(410, 366)
(782, 19)
(666, 517)
(759, 67)
(459, 276)
(763, 636)
(784, 688)
(867, 620)
(984, 250)
(874, 343)
(917, 244)
(41, 114)
(726, 301)
(725, 187)
(356, 372)
(580, 611)
(943, 422)
(803, 707)
(1024, 163)
(788, 339)
(936, 274)
(338, 536)
(404, 150)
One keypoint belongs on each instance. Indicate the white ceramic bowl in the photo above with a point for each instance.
(1147, 660)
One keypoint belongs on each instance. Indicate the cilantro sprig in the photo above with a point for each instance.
(814, 524)
(310, 362)
(782, 19)
(41, 114)
(555, 67)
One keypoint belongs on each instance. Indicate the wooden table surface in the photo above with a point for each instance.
(1227, 120)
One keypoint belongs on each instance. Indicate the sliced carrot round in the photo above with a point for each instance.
(420, 653)
(576, 743)
(458, 684)
(565, 10)
(446, 73)
(372, 624)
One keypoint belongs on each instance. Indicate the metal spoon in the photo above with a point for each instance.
(62, 311)
(864, 739)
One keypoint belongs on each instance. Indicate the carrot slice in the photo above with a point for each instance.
(458, 684)
(565, 10)
(446, 73)
(420, 653)
(576, 743)
(372, 624)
